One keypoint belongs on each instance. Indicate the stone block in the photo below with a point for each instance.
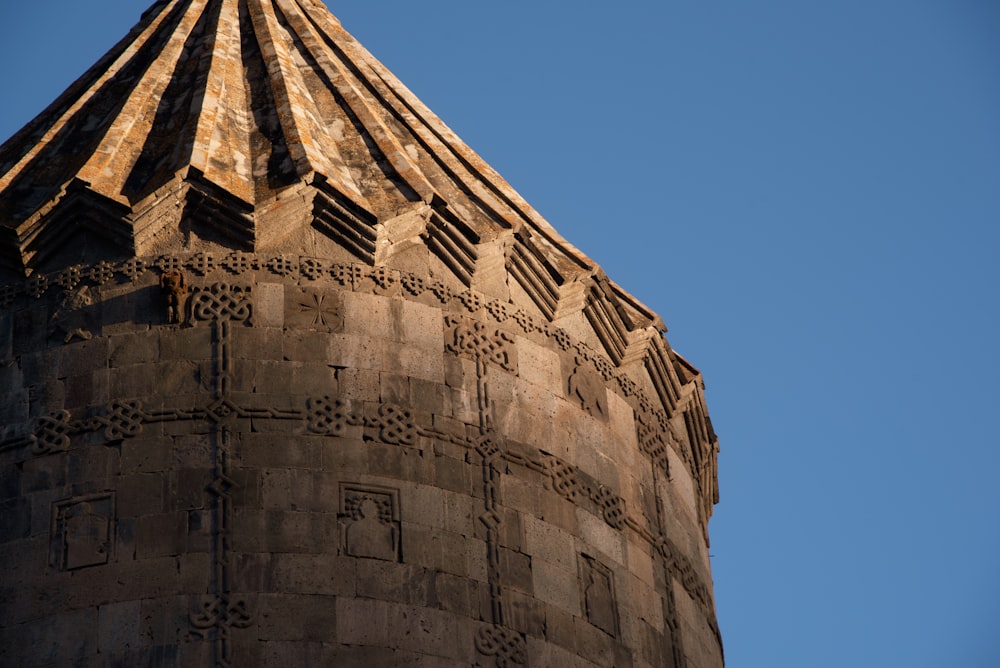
(10, 480)
(297, 617)
(361, 385)
(640, 561)
(349, 351)
(146, 455)
(258, 343)
(460, 513)
(540, 366)
(30, 327)
(141, 494)
(163, 534)
(119, 628)
(559, 627)
(365, 314)
(429, 397)
(15, 519)
(278, 531)
(525, 613)
(315, 380)
(88, 389)
(394, 389)
(455, 594)
(452, 474)
(188, 488)
(306, 346)
(541, 653)
(597, 534)
(192, 450)
(13, 410)
(95, 463)
(46, 397)
(324, 574)
(423, 546)
(284, 653)
(417, 324)
(426, 631)
(347, 456)
(186, 343)
(422, 504)
(43, 473)
(424, 363)
(267, 451)
(268, 305)
(275, 489)
(557, 586)
(362, 621)
(313, 490)
(515, 570)
(549, 543)
(594, 644)
(135, 348)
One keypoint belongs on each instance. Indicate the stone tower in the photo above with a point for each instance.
(289, 376)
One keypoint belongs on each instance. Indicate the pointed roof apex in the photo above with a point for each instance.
(245, 103)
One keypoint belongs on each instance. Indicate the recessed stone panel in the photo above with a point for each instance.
(82, 531)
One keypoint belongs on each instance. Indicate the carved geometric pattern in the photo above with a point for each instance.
(52, 433)
(311, 308)
(395, 425)
(124, 419)
(219, 614)
(329, 417)
(221, 301)
(573, 485)
(565, 481)
(612, 507)
(370, 522)
(476, 340)
(82, 531)
(508, 647)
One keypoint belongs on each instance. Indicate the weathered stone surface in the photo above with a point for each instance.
(307, 383)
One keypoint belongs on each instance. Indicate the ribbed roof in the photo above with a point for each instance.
(247, 99)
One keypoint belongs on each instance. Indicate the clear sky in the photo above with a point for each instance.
(809, 194)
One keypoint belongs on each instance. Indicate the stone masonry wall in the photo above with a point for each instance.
(249, 460)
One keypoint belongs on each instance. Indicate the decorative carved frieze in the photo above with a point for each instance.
(221, 301)
(474, 339)
(53, 432)
(507, 647)
(393, 425)
(330, 416)
(479, 342)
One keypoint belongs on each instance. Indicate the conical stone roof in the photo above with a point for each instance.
(232, 109)
(255, 148)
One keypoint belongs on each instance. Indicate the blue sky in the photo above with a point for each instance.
(809, 194)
